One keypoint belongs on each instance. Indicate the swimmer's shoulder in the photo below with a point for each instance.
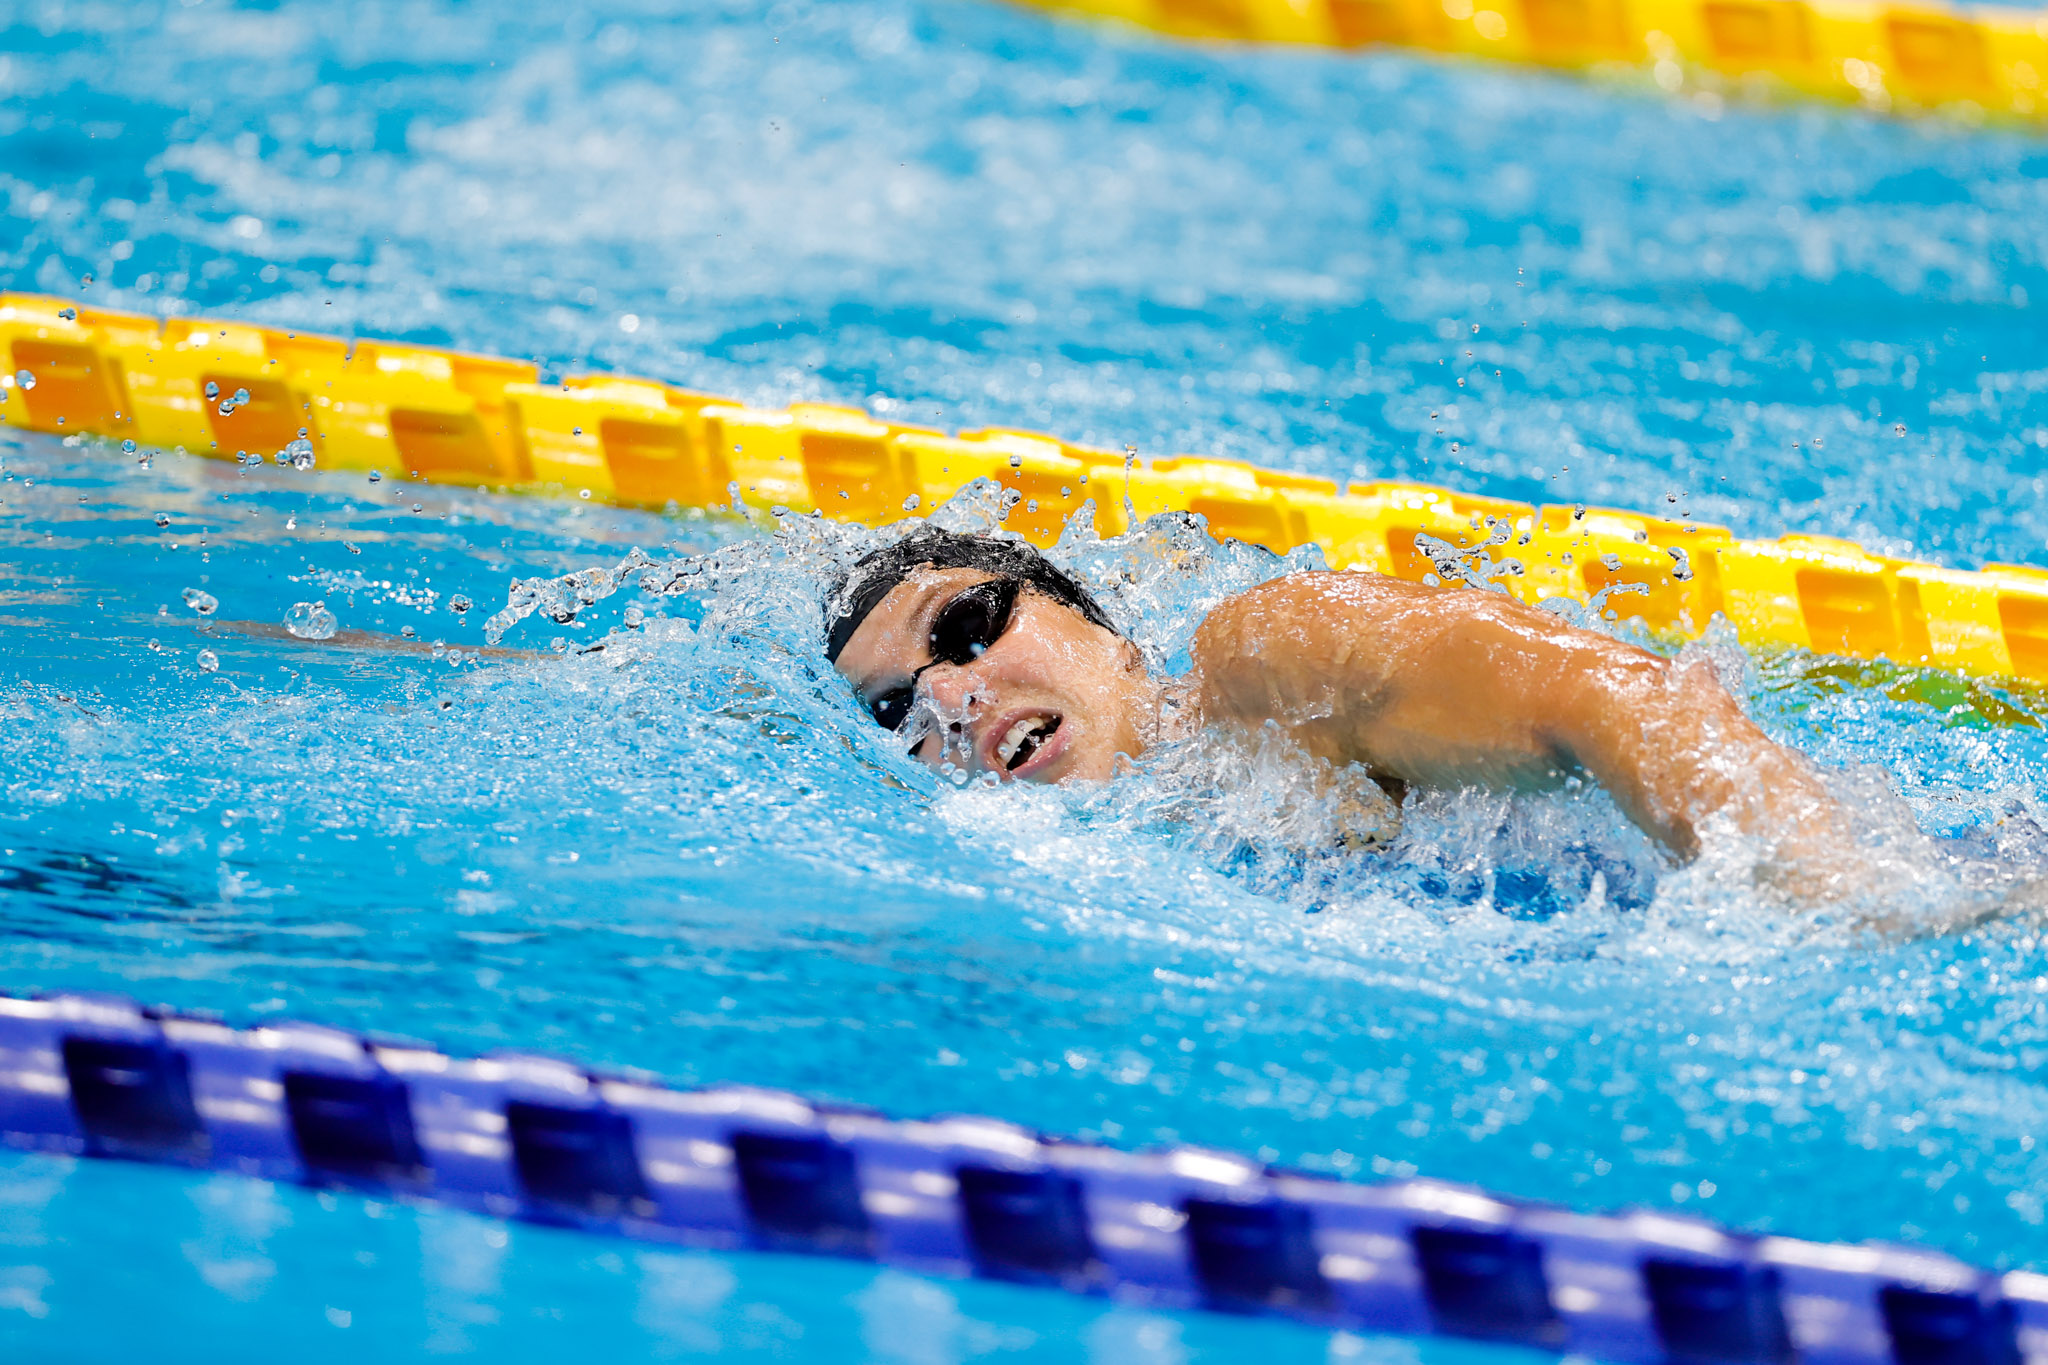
(1305, 604)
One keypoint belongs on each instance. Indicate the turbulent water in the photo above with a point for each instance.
(690, 852)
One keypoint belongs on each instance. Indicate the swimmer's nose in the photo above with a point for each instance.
(960, 702)
(955, 692)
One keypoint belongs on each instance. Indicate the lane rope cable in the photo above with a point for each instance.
(516, 1135)
(246, 393)
(1972, 62)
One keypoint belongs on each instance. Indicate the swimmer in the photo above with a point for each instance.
(985, 656)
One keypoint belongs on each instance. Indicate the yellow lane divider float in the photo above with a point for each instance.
(1884, 56)
(227, 389)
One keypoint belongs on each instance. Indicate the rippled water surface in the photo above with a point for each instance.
(687, 853)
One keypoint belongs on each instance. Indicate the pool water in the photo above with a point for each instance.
(687, 852)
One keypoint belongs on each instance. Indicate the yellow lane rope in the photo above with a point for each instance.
(1980, 61)
(230, 390)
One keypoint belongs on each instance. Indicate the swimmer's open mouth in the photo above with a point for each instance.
(1024, 739)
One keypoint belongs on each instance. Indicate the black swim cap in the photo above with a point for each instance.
(874, 575)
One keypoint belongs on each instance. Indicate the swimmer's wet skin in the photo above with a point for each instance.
(988, 659)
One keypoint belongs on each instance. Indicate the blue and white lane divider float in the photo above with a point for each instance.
(523, 1136)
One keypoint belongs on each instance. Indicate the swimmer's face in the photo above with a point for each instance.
(1053, 697)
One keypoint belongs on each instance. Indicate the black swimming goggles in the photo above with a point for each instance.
(962, 632)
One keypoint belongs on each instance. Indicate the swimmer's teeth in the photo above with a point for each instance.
(1006, 752)
(1023, 741)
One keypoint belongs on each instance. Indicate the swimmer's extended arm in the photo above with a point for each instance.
(1457, 687)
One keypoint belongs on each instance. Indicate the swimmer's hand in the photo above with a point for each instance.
(1454, 687)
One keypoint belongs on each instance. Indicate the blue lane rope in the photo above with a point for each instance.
(523, 1136)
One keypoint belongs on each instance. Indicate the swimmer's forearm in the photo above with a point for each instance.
(1675, 751)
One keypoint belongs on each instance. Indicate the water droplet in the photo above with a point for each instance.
(212, 389)
(417, 507)
(1899, 429)
(201, 601)
(458, 604)
(291, 523)
(128, 447)
(376, 476)
(298, 453)
(634, 616)
(310, 621)
(910, 503)
(583, 493)
(351, 547)
(241, 397)
(68, 314)
(408, 632)
(162, 519)
(28, 381)
(208, 661)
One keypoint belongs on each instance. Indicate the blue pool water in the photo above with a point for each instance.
(687, 854)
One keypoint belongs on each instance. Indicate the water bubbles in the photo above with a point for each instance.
(298, 454)
(201, 601)
(459, 604)
(634, 617)
(163, 519)
(27, 380)
(310, 621)
(208, 661)
(212, 390)
(1898, 428)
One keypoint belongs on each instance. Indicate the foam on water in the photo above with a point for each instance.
(690, 852)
